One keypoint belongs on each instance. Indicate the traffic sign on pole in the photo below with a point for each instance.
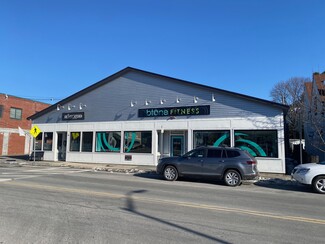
(35, 131)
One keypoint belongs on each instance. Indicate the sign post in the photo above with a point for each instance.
(35, 132)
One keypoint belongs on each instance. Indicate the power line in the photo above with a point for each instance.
(44, 99)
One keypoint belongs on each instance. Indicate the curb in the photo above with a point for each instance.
(124, 168)
(279, 181)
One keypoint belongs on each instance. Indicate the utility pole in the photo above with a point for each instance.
(300, 137)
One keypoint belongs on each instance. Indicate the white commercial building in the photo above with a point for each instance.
(136, 117)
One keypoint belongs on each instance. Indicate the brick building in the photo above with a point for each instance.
(14, 112)
(315, 116)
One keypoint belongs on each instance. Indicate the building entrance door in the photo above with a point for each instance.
(177, 145)
(62, 146)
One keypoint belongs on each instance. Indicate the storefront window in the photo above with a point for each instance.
(75, 142)
(137, 142)
(48, 141)
(259, 143)
(87, 141)
(214, 138)
(38, 141)
(109, 141)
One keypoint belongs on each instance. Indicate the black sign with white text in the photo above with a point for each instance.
(73, 116)
(175, 111)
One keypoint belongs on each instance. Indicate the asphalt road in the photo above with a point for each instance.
(64, 205)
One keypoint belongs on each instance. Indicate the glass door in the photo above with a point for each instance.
(62, 146)
(177, 145)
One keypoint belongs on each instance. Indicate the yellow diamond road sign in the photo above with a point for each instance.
(35, 131)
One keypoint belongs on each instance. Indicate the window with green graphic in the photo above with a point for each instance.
(137, 141)
(108, 141)
(75, 141)
(259, 143)
(211, 138)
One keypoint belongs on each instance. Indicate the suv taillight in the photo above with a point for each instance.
(251, 162)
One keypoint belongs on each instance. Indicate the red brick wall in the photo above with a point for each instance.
(28, 107)
(16, 143)
(1, 142)
(319, 77)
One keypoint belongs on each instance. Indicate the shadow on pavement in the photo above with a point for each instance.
(148, 175)
(286, 185)
(131, 207)
(16, 157)
(155, 176)
(272, 183)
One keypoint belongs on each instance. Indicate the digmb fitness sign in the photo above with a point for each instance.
(175, 111)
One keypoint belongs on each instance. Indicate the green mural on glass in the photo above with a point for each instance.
(248, 144)
(129, 142)
(106, 144)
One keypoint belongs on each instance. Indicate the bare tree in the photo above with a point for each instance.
(301, 114)
(290, 92)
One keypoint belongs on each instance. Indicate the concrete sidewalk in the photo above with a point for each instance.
(120, 168)
(123, 168)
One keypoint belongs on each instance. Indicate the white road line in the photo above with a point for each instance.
(40, 170)
(2, 180)
(43, 172)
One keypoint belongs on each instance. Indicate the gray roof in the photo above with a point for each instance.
(130, 69)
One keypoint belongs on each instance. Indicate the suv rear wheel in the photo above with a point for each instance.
(170, 173)
(232, 178)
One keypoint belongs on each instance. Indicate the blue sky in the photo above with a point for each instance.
(52, 49)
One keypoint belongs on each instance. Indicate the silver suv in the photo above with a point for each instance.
(230, 164)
